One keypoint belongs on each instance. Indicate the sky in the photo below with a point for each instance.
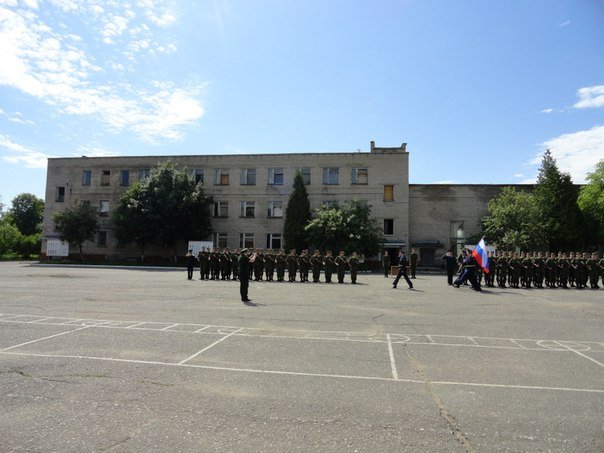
(477, 89)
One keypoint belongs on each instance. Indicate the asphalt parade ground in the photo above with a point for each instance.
(122, 360)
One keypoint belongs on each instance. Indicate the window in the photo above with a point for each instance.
(105, 177)
(102, 239)
(248, 209)
(220, 240)
(143, 173)
(331, 175)
(86, 177)
(389, 193)
(305, 172)
(221, 177)
(330, 204)
(60, 195)
(221, 209)
(104, 208)
(248, 177)
(359, 176)
(389, 227)
(273, 241)
(275, 176)
(124, 177)
(246, 240)
(86, 203)
(275, 209)
(197, 175)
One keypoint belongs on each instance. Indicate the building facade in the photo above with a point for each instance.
(250, 194)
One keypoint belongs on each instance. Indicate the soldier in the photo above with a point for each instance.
(601, 266)
(292, 265)
(341, 264)
(269, 265)
(489, 279)
(223, 259)
(353, 264)
(202, 256)
(539, 273)
(258, 265)
(386, 263)
(593, 269)
(214, 264)
(190, 261)
(562, 265)
(571, 269)
(329, 266)
(304, 265)
(578, 266)
(402, 270)
(585, 258)
(413, 261)
(550, 270)
(527, 267)
(235, 264)
(502, 270)
(244, 274)
(316, 261)
(450, 266)
(280, 261)
(515, 265)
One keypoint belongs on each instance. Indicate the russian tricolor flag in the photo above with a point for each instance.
(480, 255)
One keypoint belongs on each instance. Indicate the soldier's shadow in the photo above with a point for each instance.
(253, 304)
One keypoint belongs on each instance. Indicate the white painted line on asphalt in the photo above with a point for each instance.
(211, 346)
(201, 330)
(169, 327)
(392, 362)
(581, 354)
(45, 338)
(36, 321)
(296, 373)
(515, 342)
(473, 341)
(134, 325)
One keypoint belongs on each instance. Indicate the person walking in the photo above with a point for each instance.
(402, 270)
(244, 274)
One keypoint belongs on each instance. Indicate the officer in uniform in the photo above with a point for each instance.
(502, 270)
(304, 265)
(190, 261)
(413, 261)
(316, 262)
(450, 265)
(402, 270)
(244, 274)
(539, 270)
(386, 263)
(489, 278)
(579, 267)
(215, 264)
(269, 265)
(202, 256)
(515, 265)
(258, 265)
(527, 266)
(593, 269)
(563, 267)
(235, 264)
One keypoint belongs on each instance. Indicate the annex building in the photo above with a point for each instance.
(250, 194)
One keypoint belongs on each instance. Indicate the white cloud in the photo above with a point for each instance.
(576, 153)
(54, 67)
(451, 181)
(20, 154)
(518, 175)
(590, 97)
(564, 24)
(95, 151)
(547, 110)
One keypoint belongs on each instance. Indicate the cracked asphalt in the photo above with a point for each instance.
(122, 360)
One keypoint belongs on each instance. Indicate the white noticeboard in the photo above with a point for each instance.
(196, 246)
(56, 247)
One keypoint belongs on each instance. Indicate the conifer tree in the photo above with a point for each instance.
(297, 216)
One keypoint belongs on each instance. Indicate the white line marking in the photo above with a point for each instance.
(45, 338)
(473, 341)
(392, 362)
(208, 347)
(134, 325)
(515, 342)
(169, 327)
(429, 337)
(201, 330)
(296, 373)
(579, 353)
(40, 320)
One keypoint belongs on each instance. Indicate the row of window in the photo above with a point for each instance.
(331, 176)
(248, 208)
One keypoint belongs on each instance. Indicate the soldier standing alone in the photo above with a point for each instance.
(413, 261)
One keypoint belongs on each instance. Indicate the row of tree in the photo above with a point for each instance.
(556, 216)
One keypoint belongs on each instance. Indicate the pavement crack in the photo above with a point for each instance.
(442, 409)
(379, 316)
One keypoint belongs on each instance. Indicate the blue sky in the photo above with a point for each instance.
(477, 89)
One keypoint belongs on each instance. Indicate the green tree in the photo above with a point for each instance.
(164, 208)
(514, 220)
(591, 203)
(9, 238)
(556, 198)
(297, 216)
(350, 228)
(27, 212)
(28, 245)
(77, 225)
